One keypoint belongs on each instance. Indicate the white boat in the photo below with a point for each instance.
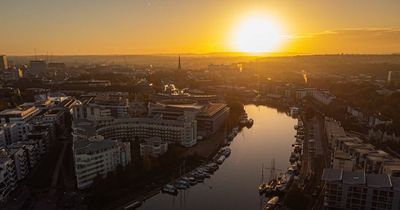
(226, 151)
(169, 189)
(272, 203)
(221, 159)
(134, 205)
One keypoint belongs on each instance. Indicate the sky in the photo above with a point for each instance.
(77, 27)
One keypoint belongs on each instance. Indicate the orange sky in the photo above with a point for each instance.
(190, 26)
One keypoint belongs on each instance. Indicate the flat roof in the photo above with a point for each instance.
(395, 183)
(378, 181)
(362, 150)
(354, 177)
(86, 146)
(332, 174)
(341, 155)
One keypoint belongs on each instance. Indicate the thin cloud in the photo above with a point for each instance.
(353, 40)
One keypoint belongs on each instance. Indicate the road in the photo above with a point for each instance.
(305, 159)
(322, 153)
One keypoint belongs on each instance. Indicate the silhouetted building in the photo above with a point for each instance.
(393, 76)
(37, 67)
(3, 63)
(58, 66)
(179, 63)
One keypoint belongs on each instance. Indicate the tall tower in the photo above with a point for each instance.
(3, 63)
(179, 63)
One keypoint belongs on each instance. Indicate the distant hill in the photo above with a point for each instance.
(334, 62)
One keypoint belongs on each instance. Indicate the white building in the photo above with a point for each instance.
(182, 131)
(323, 96)
(8, 177)
(153, 146)
(10, 131)
(97, 156)
(20, 157)
(333, 130)
(31, 149)
(342, 160)
(301, 93)
(393, 76)
(99, 115)
(3, 142)
(209, 116)
(360, 190)
(21, 117)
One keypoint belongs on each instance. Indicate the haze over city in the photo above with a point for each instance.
(178, 27)
(199, 105)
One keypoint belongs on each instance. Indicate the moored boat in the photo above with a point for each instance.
(262, 187)
(169, 189)
(221, 159)
(272, 203)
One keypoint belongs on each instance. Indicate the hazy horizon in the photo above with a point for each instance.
(191, 27)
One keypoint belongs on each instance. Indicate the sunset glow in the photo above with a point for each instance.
(257, 34)
(176, 27)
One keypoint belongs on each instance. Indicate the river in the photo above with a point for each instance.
(234, 186)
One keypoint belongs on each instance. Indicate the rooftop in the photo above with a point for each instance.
(395, 183)
(353, 177)
(378, 181)
(341, 155)
(331, 174)
(86, 146)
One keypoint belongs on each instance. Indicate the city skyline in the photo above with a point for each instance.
(178, 27)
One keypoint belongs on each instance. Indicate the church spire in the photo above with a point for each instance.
(179, 62)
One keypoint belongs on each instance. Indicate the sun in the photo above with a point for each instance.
(257, 34)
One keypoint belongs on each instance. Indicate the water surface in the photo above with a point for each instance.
(234, 185)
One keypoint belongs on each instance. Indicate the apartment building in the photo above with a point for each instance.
(8, 177)
(21, 117)
(333, 130)
(31, 149)
(323, 96)
(98, 114)
(97, 156)
(342, 160)
(3, 141)
(20, 158)
(153, 146)
(209, 116)
(182, 131)
(359, 190)
(351, 153)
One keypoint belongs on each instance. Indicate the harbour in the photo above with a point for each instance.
(231, 179)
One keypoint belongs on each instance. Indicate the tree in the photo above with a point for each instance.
(296, 199)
